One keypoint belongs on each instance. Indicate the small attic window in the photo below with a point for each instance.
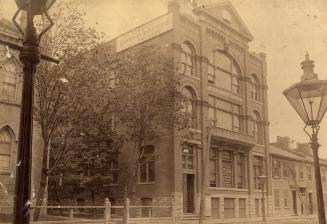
(226, 16)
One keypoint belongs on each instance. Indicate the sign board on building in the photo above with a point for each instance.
(145, 32)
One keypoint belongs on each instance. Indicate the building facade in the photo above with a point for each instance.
(226, 85)
(293, 179)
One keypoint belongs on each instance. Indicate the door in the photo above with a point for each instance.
(188, 193)
(294, 202)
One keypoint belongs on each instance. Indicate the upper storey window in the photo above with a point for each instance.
(189, 106)
(254, 88)
(187, 59)
(223, 72)
(8, 78)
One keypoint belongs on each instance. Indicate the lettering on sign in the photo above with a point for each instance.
(145, 32)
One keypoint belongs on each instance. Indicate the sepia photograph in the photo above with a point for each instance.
(163, 111)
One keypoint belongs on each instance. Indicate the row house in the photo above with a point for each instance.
(293, 179)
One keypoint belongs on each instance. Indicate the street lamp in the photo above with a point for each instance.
(262, 180)
(309, 99)
(30, 57)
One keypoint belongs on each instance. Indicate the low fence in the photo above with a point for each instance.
(106, 213)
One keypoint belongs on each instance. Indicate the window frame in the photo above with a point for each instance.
(149, 158)
(233, 71)
(187, 59)
(6, 156)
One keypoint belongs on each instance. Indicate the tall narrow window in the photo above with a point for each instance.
(214, 168)
(224, 72)
(146, 209)
(187, 59)
(309, 173)
(286, 200)
(229, 207)
(257, 171)
(5, 150)
(301, 172)
(188, 156)
(256, 205)
(240, 170)
(147, 164)
(189, 105)
(9, 82)
(114, 171)
(254, 90)
(257, 129)
(276, 198)
(276, 168)
(228, 169)
(215, 208)
(242, 208)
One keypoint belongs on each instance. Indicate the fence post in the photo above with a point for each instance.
(107, 214)
(126, 211)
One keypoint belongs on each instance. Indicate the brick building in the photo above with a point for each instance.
(10, 99)
(227, 89)
(293, 179)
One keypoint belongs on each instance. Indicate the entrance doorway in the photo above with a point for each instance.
(188, 193)
(294, 202)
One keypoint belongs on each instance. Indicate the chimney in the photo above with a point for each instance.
(304, 149)
(283, 142)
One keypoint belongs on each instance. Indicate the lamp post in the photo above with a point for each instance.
(309, 99)
(30, 57)
(262, 180)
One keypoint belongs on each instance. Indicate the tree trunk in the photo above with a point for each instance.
(41, 194)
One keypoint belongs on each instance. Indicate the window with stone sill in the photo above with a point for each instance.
(323, 175)
(242, 208)
(188, 151)
(285, 170)
(225, 70)
(147, 164)
(256, 205)
(276, 198)
(114, 170)
(301, 175)
(215, 207)
(254, 88)
(276, 168)
(309, 173)
(214, 164)
(226, 115)
(228, 169)
(189, 106)
(240, 179)
(229, 207)
(257, 171)
(187, 59)
(286, 199)
(5, 150)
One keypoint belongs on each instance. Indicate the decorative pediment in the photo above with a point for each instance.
(226, 14)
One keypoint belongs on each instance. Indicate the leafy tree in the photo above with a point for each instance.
(61, 92)
(148, 102)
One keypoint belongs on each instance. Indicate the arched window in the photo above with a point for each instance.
(189, 107)
(254, 91)
(5, 150)
(147, 164)
(8, 77)
(187, 59)
(224, 72)
(257, 130)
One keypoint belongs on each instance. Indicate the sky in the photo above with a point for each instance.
(283, 29)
